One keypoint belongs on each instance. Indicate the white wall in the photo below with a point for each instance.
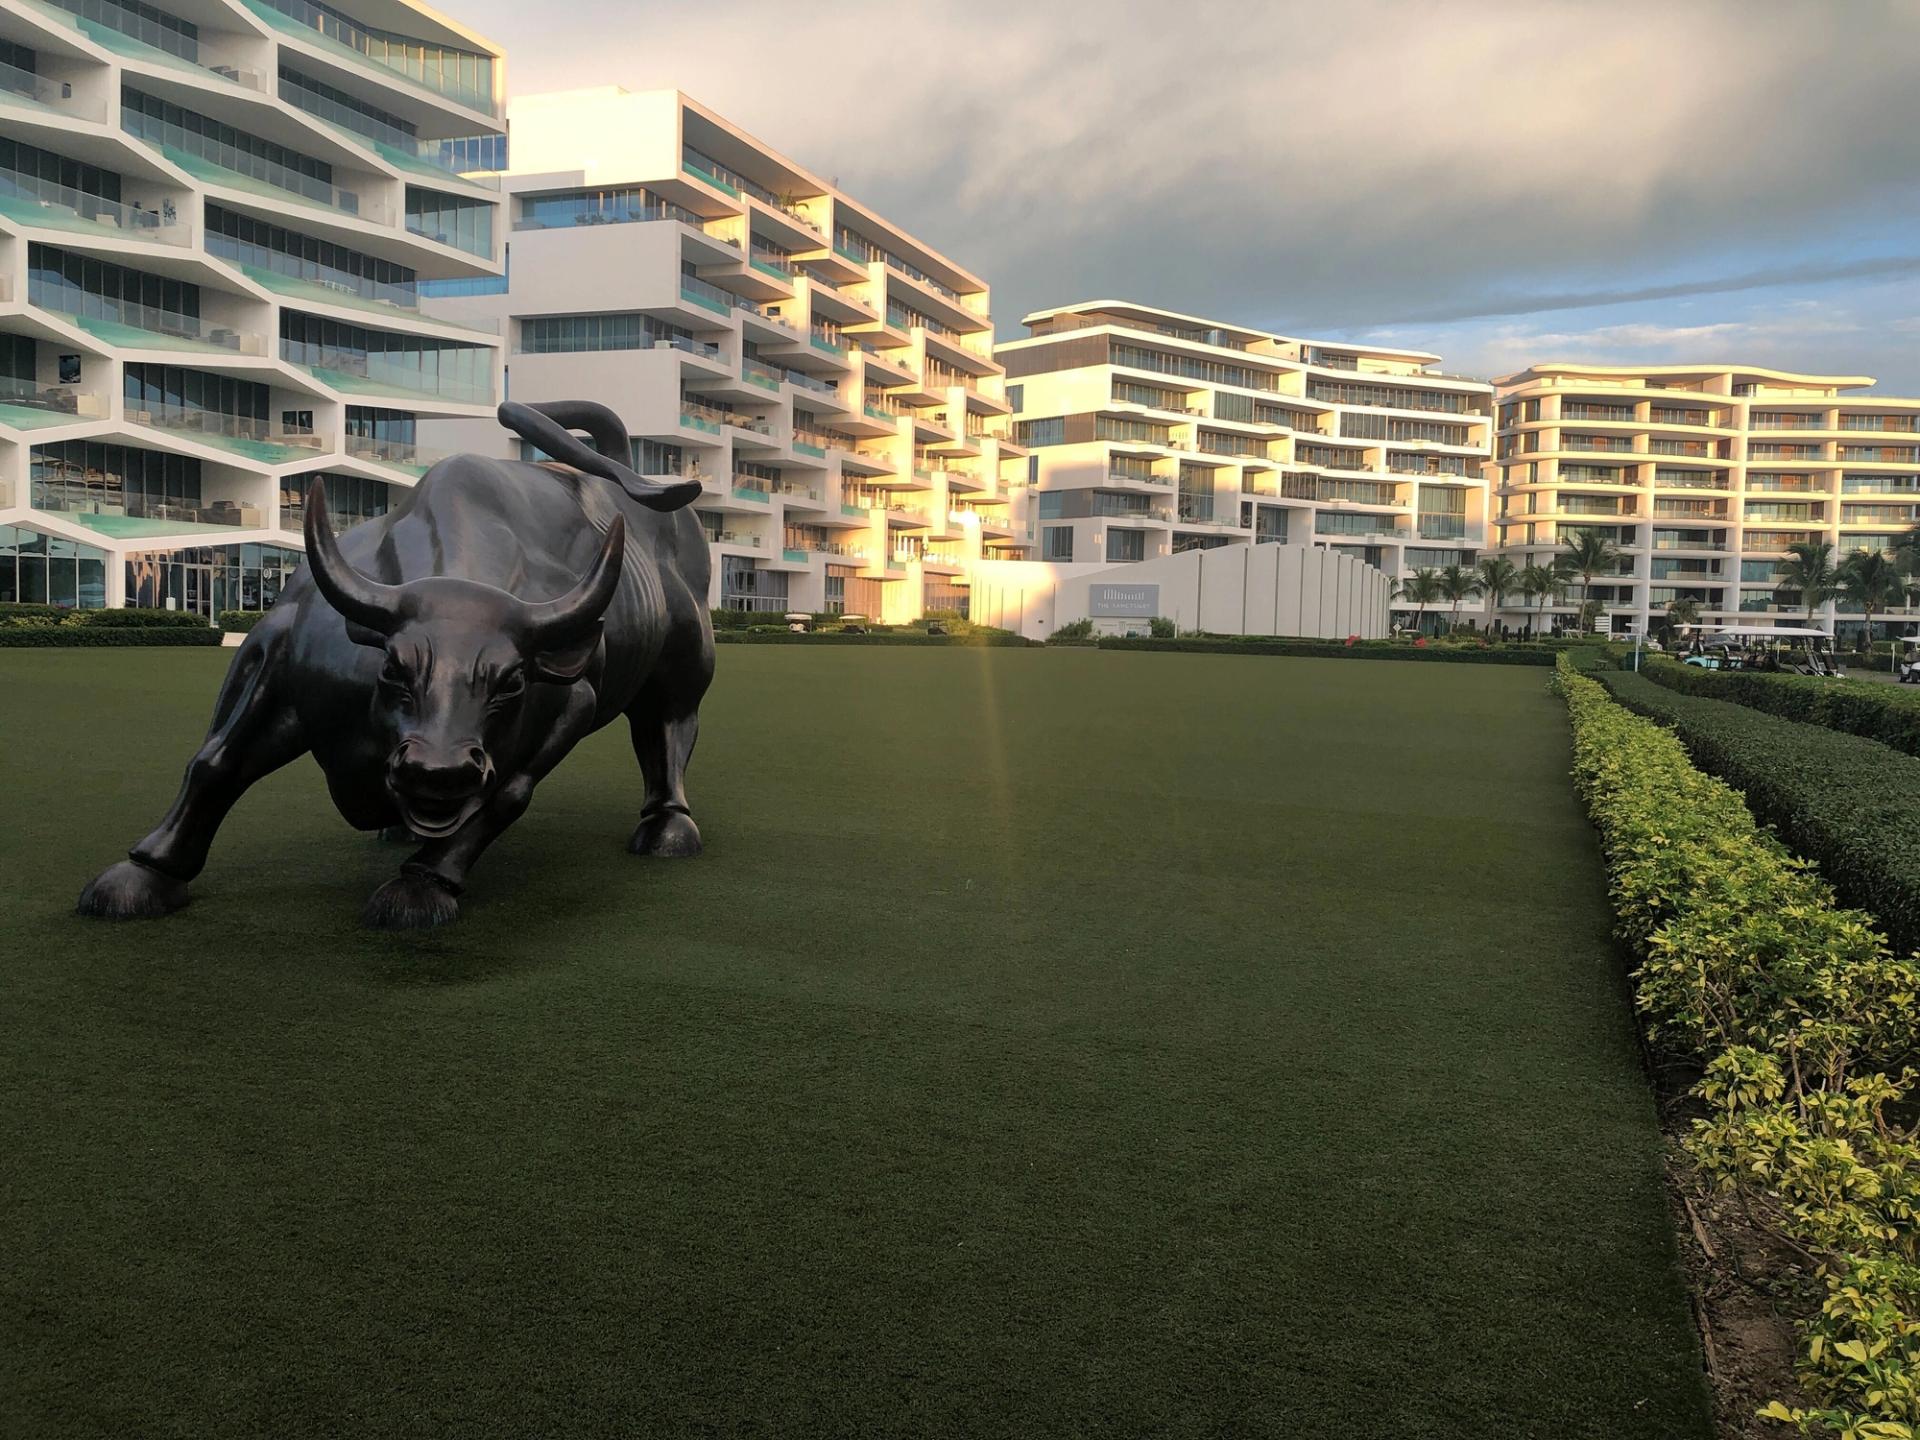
(1232, 590)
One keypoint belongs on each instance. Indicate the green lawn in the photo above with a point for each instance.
(1048, 1043)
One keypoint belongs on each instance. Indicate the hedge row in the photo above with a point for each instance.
(1887, 713)
(1850, 805)
(62, 636)
(1801, 1020)
(239, 622)
(977, 640)
(1335, 650)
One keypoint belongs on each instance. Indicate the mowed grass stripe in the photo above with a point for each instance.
(1047, 1043)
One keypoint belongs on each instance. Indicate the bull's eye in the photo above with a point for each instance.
(511, 686)
(397, 683)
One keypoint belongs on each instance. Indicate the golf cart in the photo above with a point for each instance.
(1787, 649)
(1909, 660)
(799, 622)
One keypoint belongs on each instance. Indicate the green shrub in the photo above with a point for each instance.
(136, 619)
(1161, 628)
(28, 637)
(14, 613)
(1331, 649)
(1850, 805)
(1801, 1018)
(1869, 708)
(239, 622)
(1073, 630)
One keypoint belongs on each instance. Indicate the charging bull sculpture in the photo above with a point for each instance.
(440, 660)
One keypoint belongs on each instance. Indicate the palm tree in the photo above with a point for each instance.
(1423, 588)
(1906, 551)
(1870, 581)
(1682, 612)
(1537, 580)
(1810, 573)
(1457, 584)
(1497, 575)
(1589, 553)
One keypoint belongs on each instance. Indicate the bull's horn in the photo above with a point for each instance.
(362, 601)
(555, 622)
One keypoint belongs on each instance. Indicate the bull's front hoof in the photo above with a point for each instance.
(132, 891)
(410, 902)
(670, 835)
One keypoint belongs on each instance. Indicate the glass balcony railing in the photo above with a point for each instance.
(244, 434)
(401, 454)
(260, 177)
(362, 372)
(549, 214)
(28, 405)
(33, 201)
(701, 292)
(460, 76)
(55, 95)
(390, 143)
(117, 513)
(766, 376)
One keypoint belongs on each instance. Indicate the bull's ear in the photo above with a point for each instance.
(361, 635)
(569, 662)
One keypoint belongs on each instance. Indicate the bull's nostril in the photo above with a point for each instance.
(476, 757)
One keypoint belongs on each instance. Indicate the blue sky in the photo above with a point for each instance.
(1503, 182)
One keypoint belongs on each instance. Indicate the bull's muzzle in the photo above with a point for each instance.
(438, 788)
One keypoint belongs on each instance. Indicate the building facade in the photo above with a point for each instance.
(828, 377)
(1701, 477)
(216, 219)
(1153, 433)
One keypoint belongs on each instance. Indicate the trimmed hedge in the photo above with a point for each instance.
(1804, 1024)
(1850, 805)
(239, 622)
(1334, 650)
(40, 637)
(977, 640)
(134, 618)
(1887, 713)
(11, 612)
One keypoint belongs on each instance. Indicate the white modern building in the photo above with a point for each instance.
(1701, 477)
(1154, 433)
(826, 375)
(216, 219)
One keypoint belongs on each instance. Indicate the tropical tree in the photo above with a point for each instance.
(1458, 584)
(1809, 572)
(1589, 554)
(1682, 611)
(1870, 581)
(1497, 576)
(1906, 551)
(1423, 588)
(1540, 580)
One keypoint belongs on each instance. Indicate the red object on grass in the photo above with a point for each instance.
(1420, 644)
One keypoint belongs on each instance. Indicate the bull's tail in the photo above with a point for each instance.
(550, 426)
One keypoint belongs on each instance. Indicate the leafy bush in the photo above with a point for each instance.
(1877, 711)
(137, 619)
(1800, 1016)
(1334, 649)
(15, 613)
(27, 637)
(239, 622)
(1074, 630)
(1850, 805)
(1161, 628)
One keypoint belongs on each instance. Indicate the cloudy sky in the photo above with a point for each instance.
(1501, 182)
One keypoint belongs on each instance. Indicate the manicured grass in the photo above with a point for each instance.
(1048, 1042)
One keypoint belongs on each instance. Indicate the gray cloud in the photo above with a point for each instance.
(1309, 166)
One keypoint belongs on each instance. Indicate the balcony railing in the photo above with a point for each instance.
(53, 399)
(378, 52)
(217, 425)
(35, 201)
(401, 453)
(388, 141)
(54, 95)
(358, 370)
(67, 498)
(95, 312)
(700, 292)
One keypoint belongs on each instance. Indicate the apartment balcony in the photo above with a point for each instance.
(30, 201)
(257, 440)
(355, 372)
(268, 180)
(57, 98)
(127, 326)
(349, 44)
(121, 516)
(426, 159)
(28, 405)
(398, 454)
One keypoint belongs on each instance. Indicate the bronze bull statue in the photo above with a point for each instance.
(441, 659)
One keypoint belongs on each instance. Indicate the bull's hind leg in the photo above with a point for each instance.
(253, 734)
(665, 720)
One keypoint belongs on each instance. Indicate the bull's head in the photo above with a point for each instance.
(460, 658)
